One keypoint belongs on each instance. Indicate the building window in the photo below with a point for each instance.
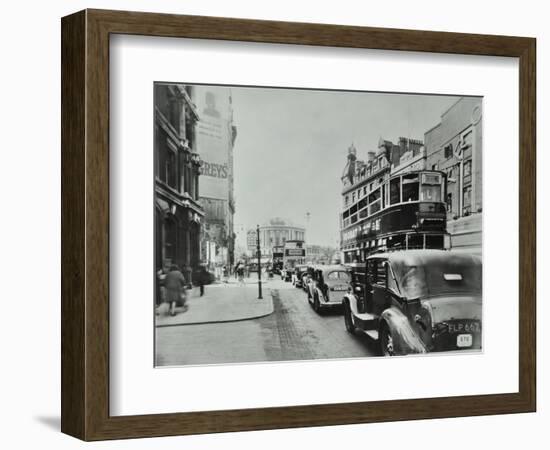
(435, 166)
(448, 149)
(170, 169)
(467, 200)
(468, 168)
(449, 202)
(170, 239)
(175, 114)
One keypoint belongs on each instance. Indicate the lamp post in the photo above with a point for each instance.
(259, 254)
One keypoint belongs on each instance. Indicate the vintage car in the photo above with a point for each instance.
(417, 301)
(299, 271)
(327, 286)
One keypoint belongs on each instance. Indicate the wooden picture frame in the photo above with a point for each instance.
(85, 224)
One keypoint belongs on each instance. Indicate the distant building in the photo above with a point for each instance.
(273, 234)
(178, 213)
(454, 146)
(320, 254)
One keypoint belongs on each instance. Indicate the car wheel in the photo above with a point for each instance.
(348, 319)
(386, 341)
(316, 304)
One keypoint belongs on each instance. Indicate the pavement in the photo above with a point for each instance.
(221, 302)
(293, 332)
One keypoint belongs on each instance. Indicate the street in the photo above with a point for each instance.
(293, 331)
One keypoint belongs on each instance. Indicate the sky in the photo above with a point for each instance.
(292, 145)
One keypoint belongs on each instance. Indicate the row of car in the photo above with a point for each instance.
(411, 301)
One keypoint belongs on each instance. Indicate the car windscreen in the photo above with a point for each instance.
(441, 278)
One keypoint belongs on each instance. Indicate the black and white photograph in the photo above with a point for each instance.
(296, 224)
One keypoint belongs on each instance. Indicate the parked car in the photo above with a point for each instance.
(417, 301)
(327, 287)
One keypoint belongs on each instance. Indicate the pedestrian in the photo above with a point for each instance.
(240, 274)
(175, 284)
(201, 275)
(294, 276)
(225, 274)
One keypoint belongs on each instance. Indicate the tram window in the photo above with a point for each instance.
(415, 241)
(395, 191)
(430, 193)
(410, 188)
(374, 196)
(374, 207)
(434, 241)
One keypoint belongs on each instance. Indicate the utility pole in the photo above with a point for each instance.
(259, 254)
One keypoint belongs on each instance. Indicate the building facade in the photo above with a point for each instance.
(454, 146)
(365, 193)
(274, 234)
(360, 179)
(320, 254)
(216, 134)
(178, 212)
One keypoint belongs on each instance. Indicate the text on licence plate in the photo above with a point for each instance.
(464, 340)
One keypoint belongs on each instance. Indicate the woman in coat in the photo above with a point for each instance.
(174, 283)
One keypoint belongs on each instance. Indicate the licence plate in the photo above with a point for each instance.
(340, 288)
(464, 340)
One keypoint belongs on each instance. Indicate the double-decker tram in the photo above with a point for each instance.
(294, 253)
(405, 211)
(277, 258)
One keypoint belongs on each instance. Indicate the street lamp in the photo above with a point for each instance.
(259, 254)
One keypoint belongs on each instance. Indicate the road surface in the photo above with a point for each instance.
(292, 332)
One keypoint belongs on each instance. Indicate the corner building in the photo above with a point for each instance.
(178, 213)
(454, 146)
